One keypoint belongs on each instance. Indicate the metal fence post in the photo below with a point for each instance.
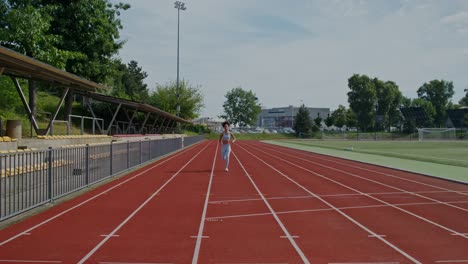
(110, 157)
(49, 184)
(87, 164)
(140, 152)
(128, 154)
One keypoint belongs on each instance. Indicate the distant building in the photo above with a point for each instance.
(211, 123)
(282, 117)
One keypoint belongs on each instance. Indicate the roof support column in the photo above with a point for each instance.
(144, 122)
(26, 106)
(52, 119)
(113, 118)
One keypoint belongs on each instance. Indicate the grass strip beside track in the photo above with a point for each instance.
(404, 162)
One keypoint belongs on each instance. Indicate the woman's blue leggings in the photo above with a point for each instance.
(225, 151)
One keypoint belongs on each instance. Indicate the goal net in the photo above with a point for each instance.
(437, 134)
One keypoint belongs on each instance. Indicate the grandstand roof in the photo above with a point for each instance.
(18, 65)
(132, 104)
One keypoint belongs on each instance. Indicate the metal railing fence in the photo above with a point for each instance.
(32, 178)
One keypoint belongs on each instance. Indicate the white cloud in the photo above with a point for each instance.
(460, 17)
(300, 50)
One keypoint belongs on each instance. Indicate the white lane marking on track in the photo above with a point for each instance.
(107, 262)
(374, 171)
(286, 232)
(205, 207)
(465, 234)
(345, 195)
(453, 261)
(363, 262)
(376, 236)
(137, 210)
(199, 237)
(372, 197)
(289, 236)
(323, 209)
(377, 182)
(110, 235)
(337, 210)
(29, 261)
(94, 197)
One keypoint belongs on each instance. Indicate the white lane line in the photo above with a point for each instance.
(344, 195)
(289, 236)
(110, 235)
(251, 263)
(107, 262)
(138, 209)
(205, 207)
(377, 182)
(453, 261)
(199, 237)
(337, 210)
(92, 198)
(372, 197)
(363, 262)
(296, 151)
(322, 209)
(286, 232)
(465, 234)
(376, 236)
(29, 261)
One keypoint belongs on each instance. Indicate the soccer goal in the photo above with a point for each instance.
(437, 134)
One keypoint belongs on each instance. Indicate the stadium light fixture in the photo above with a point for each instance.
(179, 6)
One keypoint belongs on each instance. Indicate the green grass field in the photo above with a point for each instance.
(453, 153)
(447, 160)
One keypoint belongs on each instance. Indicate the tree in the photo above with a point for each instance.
(25, 27)
(329, 120)
(339, 116)
(464, 100)
(241, 107)
(318, 121)
(351, 118)
(388, 101)
(362, 100)
(90, 27)
(191, 99)
(302, 122)
(129, 82)
(438, 93)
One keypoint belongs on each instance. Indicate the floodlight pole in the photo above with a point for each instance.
(180, 6)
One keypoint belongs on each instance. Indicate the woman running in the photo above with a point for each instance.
(225, 139)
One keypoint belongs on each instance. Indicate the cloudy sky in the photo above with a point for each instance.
(301, 51)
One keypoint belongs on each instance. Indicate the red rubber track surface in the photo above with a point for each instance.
(275, 205)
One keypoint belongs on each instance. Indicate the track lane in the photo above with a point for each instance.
(241, 240)
(321, 233)
(165, 229)
(451, 217)
(75, 231)
(411, 234)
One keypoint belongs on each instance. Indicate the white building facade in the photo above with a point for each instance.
(283, 117)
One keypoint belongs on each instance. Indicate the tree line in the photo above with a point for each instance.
(374, 106)
(82, 37)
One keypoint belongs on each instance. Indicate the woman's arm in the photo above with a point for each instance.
(233, 137)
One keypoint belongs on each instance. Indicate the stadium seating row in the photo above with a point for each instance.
(71, 136)
(38, 167)
(7, 139)
(17, 150)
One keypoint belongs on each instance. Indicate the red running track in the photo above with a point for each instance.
(275, 205)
